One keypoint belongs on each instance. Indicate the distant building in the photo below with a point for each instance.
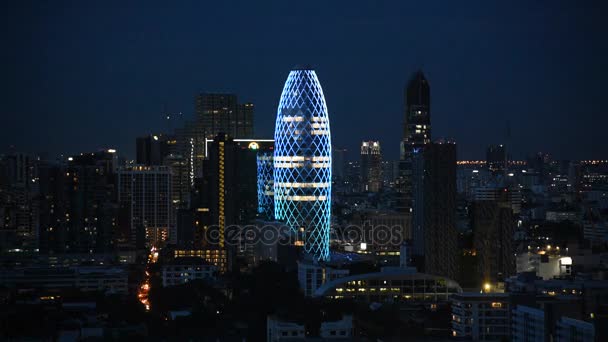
(281, 330)
(312, 276)
(19, 210)
(220, 258)
(496, 159)
(382, 231)
(510, 196)
(371, 166)
(90, 278)
(390, 172)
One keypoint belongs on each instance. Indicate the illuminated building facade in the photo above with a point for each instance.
(302, 161)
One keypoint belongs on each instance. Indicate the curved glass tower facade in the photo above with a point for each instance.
(302, 161)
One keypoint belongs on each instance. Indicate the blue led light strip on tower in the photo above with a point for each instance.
(302, 161)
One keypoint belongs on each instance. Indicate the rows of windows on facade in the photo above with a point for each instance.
(489, 249)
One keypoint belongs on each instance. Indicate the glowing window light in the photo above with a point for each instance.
(302, 155)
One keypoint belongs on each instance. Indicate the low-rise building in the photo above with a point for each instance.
(481, 316)
(574, 330)
(91, 278)
(528, 324)
(184, 270)
(394, 284)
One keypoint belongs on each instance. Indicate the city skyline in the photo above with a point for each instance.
(102, 100)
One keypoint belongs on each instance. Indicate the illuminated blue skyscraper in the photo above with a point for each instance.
(302, 161)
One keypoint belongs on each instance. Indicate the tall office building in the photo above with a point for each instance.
(146, 192)
(416, 134)
(302, 161)
(439, 213)
(371, 166)
(221, 113)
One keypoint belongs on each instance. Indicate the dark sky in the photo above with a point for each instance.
(81, 75)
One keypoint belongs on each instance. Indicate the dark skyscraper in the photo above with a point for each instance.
(441, 237)
(416, 134)
(435, 208)
(417, 128)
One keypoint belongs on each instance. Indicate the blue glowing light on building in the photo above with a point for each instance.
(265, 185)
(302, 161)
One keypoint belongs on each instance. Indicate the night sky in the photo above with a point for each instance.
(78, 76)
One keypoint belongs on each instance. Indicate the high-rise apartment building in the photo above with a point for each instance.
(441, 237)
(302, 161)
(146, 192)
(221, 113)
(434, 208)
(371, 166)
